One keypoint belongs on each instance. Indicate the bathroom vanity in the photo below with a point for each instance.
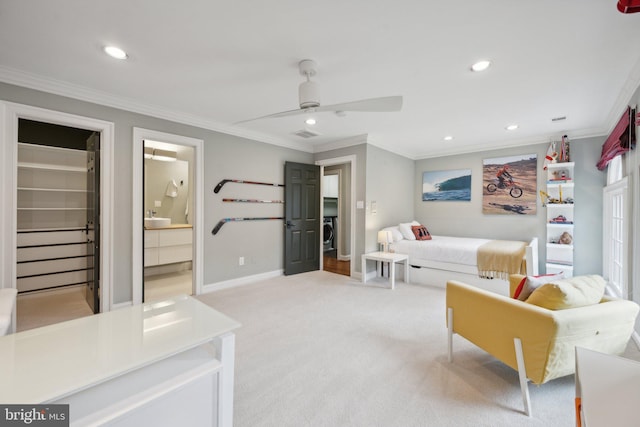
(165, 363)
(168, 245)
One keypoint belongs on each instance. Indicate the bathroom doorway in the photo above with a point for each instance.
(168, 231)
(167, 243)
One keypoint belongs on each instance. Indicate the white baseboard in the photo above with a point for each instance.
(240, 281)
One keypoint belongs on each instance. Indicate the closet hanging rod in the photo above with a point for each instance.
(53, 273)
(46, 245)
(51, 230)
(54, 259)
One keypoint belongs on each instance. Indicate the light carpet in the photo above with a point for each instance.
(320, 349)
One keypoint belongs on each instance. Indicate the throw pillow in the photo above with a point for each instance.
(421, 232)
(576, 292)
(531, 283)
(405, 229)
(396, 235)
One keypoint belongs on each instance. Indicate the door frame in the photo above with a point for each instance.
(137, 268)
(352, 232)
(10, 113)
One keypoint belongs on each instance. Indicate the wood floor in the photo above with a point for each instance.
(333, 265)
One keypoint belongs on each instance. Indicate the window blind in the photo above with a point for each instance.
(620, 141)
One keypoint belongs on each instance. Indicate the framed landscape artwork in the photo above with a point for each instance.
(509, 185)
(446, 185)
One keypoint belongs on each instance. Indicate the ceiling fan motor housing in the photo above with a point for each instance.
(308, 95)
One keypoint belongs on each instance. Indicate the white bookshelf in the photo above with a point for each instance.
(560, 217)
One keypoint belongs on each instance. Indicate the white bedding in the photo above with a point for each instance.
(455, 250)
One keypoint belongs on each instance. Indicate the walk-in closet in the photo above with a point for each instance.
(57, 223)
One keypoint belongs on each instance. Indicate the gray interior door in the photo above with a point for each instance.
(93, 222)
(302, 218)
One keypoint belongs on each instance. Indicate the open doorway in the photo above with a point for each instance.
(167, 219)
(168, 228)
(34, 204)
(337, 212)
(58, 223)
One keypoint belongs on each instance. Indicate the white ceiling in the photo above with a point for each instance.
(213, 63)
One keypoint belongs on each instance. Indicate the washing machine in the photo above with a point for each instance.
(328, 233)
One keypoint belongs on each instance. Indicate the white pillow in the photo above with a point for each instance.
(396, 235)
(405, 229)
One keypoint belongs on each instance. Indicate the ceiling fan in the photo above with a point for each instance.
(309, 99)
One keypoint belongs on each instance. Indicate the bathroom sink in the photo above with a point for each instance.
(157, 222)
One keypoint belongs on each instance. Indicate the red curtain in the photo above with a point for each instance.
(629, 6)
(620, 141)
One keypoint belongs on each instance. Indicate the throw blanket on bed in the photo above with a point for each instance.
(499, 258)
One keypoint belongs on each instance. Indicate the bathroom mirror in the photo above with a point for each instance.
(167, 190)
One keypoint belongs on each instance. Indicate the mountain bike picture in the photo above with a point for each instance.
(509, 185)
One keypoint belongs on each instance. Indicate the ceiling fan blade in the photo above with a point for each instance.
(281, 114)
(384, 104)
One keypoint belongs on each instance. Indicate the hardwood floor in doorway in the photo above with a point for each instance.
(333, 265)
(48, 307)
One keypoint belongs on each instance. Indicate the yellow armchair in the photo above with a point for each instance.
(537, 342)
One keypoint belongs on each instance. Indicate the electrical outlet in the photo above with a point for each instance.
(158, 203)
(241, 260)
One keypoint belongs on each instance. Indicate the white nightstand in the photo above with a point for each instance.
(392, 259)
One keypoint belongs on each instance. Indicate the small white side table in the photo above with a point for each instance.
(392, 259)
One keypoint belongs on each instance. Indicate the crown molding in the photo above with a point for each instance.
(81, 93)
(377, 143)
(542, 139)
(342, 143)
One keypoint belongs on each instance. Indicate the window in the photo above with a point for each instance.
(614, 170)
(615, 237)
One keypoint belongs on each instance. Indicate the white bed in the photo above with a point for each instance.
(443, 258)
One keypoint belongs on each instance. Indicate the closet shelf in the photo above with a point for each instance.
(61, 190)
(51, 167)
(52, 209)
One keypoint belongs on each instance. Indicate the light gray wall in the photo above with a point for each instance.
(589, 182)
(383, 177)
(225, 156)
(259, 242)
(465, 219)
(390, 186)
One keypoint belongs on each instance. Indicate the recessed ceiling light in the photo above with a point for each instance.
(115, 52)
(448, 138)
(481, 65)
(310, 121)
(512, 127)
